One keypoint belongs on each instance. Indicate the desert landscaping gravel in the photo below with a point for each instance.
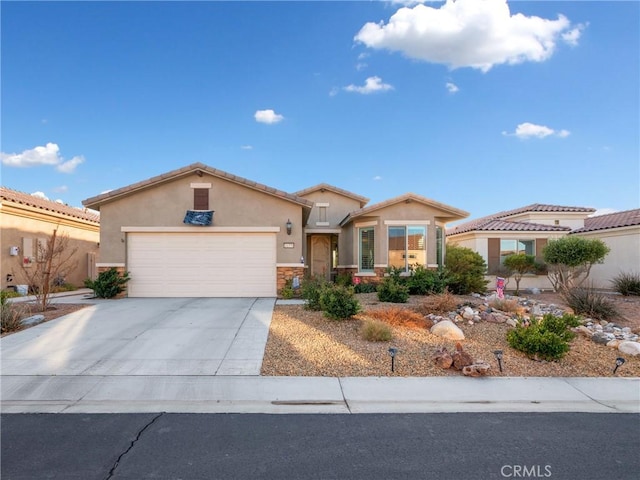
(305, 343)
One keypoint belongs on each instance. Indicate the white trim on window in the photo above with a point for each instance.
(407, 222)
(321, 204)
(322, 224)
(366, 224)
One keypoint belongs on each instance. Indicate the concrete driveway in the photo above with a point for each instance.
(155, 336)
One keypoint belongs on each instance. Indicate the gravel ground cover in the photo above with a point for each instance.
(305, 343)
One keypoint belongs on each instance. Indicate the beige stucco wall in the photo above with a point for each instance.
(339, 207)
(573, 220)
(21, 221)
(623, 257)
(165, 205)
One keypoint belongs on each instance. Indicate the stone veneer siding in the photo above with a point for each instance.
(287, 273)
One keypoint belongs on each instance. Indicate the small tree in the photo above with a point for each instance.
(465, 269)
(520, 264)
(569, 260)
(54, 260)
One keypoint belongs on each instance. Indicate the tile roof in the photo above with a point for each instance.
(628, 218)
(95, 202)
(485, 223)
(454, 213)
(325, 186)
(9, 195)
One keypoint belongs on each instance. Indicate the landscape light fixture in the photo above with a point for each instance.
(392, 351)
(619, 362)
(498, 354)
(289, 225)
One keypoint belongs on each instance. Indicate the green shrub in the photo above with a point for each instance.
(390, 290)
(286, 292)
(311, 289)
(344, 279)
(11, 314)
(423, 281)
(545, 339)
(108, 284)
(366, 288)
(465, 270)
(627, 283)
(588, 302)
(376, 331)
(339, 302)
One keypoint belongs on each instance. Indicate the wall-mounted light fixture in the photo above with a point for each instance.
(289, 225)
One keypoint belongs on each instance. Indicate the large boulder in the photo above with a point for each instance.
(442, 358)
(476, 370)
(447, 329)
(630, 348)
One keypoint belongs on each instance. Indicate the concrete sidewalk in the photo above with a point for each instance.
(255, 394)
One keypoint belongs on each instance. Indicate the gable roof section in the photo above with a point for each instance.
(325, 186)
(488, 223)
(95, 202)
(628, 218)
(9, 195)
(452, 213)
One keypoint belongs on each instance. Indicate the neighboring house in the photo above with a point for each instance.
(528, 229)
(27, 221)
(249, 239)
(621, 232)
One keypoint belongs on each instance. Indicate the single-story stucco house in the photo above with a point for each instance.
(528, 229)
(27, 221)
(198, 231)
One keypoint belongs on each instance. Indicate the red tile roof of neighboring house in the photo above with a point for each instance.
(488, 223)
(9, 195)
(628, 218)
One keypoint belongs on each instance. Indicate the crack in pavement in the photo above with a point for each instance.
(131, 445)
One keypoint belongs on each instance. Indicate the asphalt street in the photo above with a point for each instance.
(369, 446)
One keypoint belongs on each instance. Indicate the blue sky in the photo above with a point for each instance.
(482, 105)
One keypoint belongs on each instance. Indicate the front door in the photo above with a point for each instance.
(321, 256)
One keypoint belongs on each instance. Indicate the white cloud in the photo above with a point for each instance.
(61, 189)
(377, 177)
(573, 35)
(452, 87)
(334, 91)
(469, 33)
(40, 195)
(603, 211)
(361, 66)
(371, 85)
(529, 130)
(268, 117)
(47, 155)
(246, 147)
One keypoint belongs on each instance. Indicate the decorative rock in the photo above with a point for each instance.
(447, 329)
(32, 320)
(584, 331)
(630, 348)
(511, 322)
(476, 370)
(461, 358)
(442, 358)
(614, 343)
(468, 313)
(601, 338)
(494, 317)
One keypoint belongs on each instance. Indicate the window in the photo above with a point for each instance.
(510, 247)
(201, 199)
(322, 214)
(367, 250)
(407, 246)
(439, 246)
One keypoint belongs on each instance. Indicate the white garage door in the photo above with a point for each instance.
(201, 264)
